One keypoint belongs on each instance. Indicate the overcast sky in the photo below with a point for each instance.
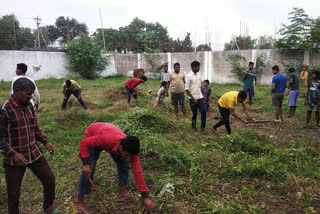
(213, 21)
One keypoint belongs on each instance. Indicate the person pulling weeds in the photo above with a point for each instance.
(123, 150)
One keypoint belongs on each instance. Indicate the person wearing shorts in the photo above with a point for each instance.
(293, 93)
(248, 85)
(279, 85)
(176, 82)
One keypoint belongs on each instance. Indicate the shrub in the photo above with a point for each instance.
(86, 58)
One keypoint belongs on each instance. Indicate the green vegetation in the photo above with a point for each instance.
(254, 170)
(239, 64)
(85, 57)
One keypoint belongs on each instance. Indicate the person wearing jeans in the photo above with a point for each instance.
(123, 167)
(124, 151)
(71, 87)
(193, 89)
(131, 85)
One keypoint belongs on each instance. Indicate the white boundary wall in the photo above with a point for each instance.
(42, 65)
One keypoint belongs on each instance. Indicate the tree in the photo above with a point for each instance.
(264, 42)
(315, 33)
(187, 43)
(85, 57)
(12, 36)
(204, 47)
(297, 35)
(66, 29)
(240, 43)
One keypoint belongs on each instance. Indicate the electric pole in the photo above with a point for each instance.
(102, 31)
(14, 33)
(38, 21)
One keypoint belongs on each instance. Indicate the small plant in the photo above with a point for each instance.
(260, 65)
(238, 64)
(155, 68)
(37, 68)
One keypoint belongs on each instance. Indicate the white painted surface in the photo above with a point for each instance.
(213, 64)
(51, 64)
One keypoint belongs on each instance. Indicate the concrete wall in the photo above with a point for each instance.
(213, 63)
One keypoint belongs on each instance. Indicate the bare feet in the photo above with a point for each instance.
(80, 205)
(215, 131)
(124, 195)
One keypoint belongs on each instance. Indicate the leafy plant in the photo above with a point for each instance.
(260, 65)
(155, 68)
(86, 58)
(297, 64)
(238, 64)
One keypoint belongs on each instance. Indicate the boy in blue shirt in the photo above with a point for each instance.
(206, 91)
(312, 100)
(248, 85)
(279, 85)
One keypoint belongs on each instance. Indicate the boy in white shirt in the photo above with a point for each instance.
(161, 95)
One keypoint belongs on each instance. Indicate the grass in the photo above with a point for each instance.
(254, 170)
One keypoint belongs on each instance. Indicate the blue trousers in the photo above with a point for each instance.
(76, 93)
(122, 165)
(129, 93)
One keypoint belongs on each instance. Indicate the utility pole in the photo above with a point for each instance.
(14, 33)
(38, 20)
(102, 31)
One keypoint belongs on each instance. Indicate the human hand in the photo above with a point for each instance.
(36, 107)
(195, 101)
(86, 170)
(79, 96)
(208, 102)
(244, 121)
(287, 94)
(20, 159)
(50, 148)
(148, 205)
(253, 120)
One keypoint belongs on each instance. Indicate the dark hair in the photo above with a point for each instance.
(22, 67)
(164, 83)
(144, 78)
(251, 63)
(195, 64)
(207, 81)
(177, 63)
(276, 68)
(242, 95)
(68, 83)
(317, 73)
(166, 65)
(291, 70)
(23, 83)
(131, 144)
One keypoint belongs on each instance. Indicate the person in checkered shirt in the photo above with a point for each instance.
(19, 132)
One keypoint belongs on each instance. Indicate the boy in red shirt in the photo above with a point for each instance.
(123, 150)
(131, 86)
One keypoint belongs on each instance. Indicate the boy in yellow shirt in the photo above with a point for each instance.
(226, 105)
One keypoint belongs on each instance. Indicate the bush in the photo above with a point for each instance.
(86, 58)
